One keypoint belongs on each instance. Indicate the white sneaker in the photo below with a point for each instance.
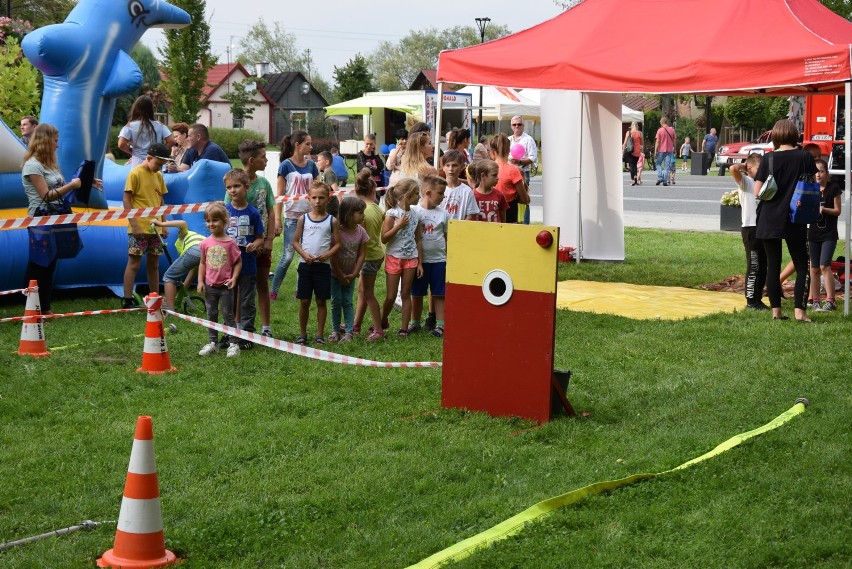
(208, 349)
(233, 350)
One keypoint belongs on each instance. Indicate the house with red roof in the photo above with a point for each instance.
(216, 111)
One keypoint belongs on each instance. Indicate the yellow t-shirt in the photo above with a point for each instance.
(147, 189)
(373, 219)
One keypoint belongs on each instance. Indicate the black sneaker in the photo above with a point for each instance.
(756, 306)
(127, 303)
(245, 345)
(224, 343)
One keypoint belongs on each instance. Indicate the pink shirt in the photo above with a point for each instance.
(219, 256)
(350, 243)
(665, 139)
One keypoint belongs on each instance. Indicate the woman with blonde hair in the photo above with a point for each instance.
(632, 156)
(510, 180)
(43, 184)
(414, 164)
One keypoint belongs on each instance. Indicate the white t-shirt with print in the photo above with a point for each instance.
(460, 202)
(433, 233)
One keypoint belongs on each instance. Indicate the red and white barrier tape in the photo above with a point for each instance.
(17, 290)
(67, 314)
(113, 214)
(297, 349)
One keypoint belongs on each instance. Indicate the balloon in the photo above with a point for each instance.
(517, 151)
(384, 149)
(391, 147)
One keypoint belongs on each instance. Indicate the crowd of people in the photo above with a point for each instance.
(340, 245)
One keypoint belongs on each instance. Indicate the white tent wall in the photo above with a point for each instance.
(585, 198)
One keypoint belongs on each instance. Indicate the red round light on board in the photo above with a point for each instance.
(544, 239)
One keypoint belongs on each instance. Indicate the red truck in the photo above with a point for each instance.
(824, 126)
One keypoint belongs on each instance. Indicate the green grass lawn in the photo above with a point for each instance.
(272, 460)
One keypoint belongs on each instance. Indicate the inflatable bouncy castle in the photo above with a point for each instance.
(86, 66)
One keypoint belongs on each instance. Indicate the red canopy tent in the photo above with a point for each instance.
(774, 47)
(763, 47)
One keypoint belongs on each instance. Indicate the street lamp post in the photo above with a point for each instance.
(482, 24)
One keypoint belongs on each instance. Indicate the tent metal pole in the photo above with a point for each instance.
(847, 152)
(439, 116)
(580, 181)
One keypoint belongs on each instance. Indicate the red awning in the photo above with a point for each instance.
(773, 47)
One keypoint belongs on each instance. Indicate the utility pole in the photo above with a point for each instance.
(482, 24)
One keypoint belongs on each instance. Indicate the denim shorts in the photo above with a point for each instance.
(371, 268)
(178, 270)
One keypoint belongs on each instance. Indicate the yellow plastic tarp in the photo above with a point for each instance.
(644, 302)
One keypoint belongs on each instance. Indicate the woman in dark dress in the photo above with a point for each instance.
(773, 216)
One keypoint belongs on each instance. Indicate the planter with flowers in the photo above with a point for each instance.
(730, 212)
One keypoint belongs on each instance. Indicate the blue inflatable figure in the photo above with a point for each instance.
(86, 65)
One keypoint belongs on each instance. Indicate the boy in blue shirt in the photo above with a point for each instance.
(246, 227)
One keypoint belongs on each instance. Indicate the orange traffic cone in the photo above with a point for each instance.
(155, 357)
(32, 334)
(139, 538)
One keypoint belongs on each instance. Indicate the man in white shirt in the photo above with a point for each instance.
(530, 157)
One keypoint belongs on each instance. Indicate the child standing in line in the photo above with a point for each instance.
(685, 153)
(365, 189)
(492, 203)
(327, 175)
(260, 195)
(145, 187)
(316, 240)
(246, 227)
(401, 233)
(219, 269)
(459, 201)
(434, 221)
(346, 265)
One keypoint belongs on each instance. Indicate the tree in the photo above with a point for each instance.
(353, 79)
(41, 13)
(396, 65)
(186, 61)
(277, 47)
(839, 7)
(147, 63)
(756, 112)
(242, 100)
(19, 93)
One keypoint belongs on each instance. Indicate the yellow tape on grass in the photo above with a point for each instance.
(517, 522)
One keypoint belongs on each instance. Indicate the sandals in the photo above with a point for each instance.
(375, 335)
(403, 333)
(438, 332)
(301, 340)
(334, 337)
(319, 340)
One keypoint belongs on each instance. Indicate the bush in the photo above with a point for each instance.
(684, 127)
(230, 138)
(112, 143)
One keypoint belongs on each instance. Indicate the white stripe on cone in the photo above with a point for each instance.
(142, 459)
(155, 345)
(140, 516)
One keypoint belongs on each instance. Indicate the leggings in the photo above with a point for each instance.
(798, 249)
(632, 161)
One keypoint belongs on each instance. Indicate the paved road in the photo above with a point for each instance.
(691, 204)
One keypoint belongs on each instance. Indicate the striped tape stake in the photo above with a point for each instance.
(296, 349)
(139, 538)
(516, 523)
(68, 314)
(113, 214)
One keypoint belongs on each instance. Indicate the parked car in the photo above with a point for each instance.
(736, 152)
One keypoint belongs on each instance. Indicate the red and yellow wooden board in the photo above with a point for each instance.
(500, 312)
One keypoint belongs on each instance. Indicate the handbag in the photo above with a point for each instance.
(770, 186)
(804, 205)
(50, 242)
(628, 144)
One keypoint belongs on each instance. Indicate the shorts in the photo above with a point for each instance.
(314, 280)
(147, 244)
(434, 279)
(821, 252)
(394, 266)
(371, 268)
(178, 270)
(264, 263)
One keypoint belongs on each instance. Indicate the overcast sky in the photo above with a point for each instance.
(336, 30)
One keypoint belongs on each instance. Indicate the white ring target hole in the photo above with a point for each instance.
(497, 287)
